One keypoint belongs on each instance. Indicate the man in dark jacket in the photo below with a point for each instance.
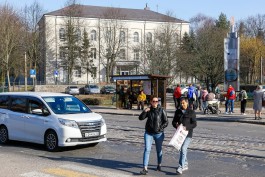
(187, 118)
(154, 130)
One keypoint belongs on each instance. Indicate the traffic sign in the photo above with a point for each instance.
(56, 74)
(32, 73)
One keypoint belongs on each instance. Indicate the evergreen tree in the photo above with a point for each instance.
(222, 22)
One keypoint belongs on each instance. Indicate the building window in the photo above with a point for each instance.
(149, 37)
(135, 37)
(93, 35)
(122, 54)
(93, 53)
(62, 34)
(77, 72)
(108, 35)
(78, 34)
(94, 72)
(62, 52)
(122, 37)
(136, 54)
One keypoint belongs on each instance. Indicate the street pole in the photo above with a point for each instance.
(26, 84)
(261, 78)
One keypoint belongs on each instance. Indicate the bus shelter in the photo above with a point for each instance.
(152, 85)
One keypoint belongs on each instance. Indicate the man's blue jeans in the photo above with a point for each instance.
(231, 104)
(183, 152)
(148, 140)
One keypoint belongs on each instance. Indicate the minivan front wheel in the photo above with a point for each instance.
(3, 135)
(51, 141)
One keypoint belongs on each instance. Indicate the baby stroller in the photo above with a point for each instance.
(212, 107)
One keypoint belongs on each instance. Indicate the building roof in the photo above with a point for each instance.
(127, 14)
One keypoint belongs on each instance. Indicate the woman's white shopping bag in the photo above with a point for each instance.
(179, 137)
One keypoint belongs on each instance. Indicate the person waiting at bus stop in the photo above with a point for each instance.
(140, 100)
(230, 96)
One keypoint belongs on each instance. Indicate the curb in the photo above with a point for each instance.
(199, 119)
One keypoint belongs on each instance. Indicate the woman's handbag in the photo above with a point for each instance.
(179, 137)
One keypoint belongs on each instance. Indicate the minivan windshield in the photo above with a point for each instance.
(66, 105)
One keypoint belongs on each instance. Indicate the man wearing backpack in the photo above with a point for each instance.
(191, 94)
(230, 96)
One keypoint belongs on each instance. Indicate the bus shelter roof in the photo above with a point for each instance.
(139, 77)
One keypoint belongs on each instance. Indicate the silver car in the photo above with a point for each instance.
(91, 89)
(73, 90)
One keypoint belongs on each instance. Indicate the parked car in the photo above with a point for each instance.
(91, 89)
(107, 89)
(169, 90)
(73, 90)
(184, 91)
(53, 119)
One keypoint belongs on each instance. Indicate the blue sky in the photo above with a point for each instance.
(183, 9)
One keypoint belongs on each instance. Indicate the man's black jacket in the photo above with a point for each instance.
(156, 120)
(188, 120)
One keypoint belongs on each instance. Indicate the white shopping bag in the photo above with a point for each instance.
(179, 137)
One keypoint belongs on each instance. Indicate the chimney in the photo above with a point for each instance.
(146, 7)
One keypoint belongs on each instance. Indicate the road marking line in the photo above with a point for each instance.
(66, 173)
(36, 174)
(102, 172)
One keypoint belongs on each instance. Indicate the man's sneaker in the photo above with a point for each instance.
(179, 171)
(144, 172)
(244, 114)
(226, 113)
(185, 168)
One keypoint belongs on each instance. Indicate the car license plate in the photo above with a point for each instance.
(91, 134)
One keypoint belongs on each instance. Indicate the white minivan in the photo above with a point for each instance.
(53, 119)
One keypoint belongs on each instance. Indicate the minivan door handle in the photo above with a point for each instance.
(25, 117)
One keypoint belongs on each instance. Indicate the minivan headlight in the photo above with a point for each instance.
(103, 122)
(69, 123)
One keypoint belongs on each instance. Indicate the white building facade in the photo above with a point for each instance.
(136, 28)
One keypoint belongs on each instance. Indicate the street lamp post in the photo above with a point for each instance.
(261, 65)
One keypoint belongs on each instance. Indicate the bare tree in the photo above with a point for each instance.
(32, 15)
(11, 30)
(161, 52)
(112, 39)
(205, 60)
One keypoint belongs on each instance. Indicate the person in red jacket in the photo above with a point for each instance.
(230, 98)
(177, 96)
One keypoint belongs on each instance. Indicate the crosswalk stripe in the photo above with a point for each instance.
(95, 170)
(36, 174)
(66, 173)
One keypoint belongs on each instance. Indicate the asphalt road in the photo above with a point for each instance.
(218, 149)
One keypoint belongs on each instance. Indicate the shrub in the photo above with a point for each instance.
(91, 101)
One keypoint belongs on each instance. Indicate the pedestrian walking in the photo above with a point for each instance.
(230, 99)
(177, 96)
(217, 92)
(204, 94)
(243, 100)
(187, 118)
(199, 98)
(154, 130)
(191, 96)
(257, 104)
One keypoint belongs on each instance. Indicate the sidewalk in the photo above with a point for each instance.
(235, 117)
